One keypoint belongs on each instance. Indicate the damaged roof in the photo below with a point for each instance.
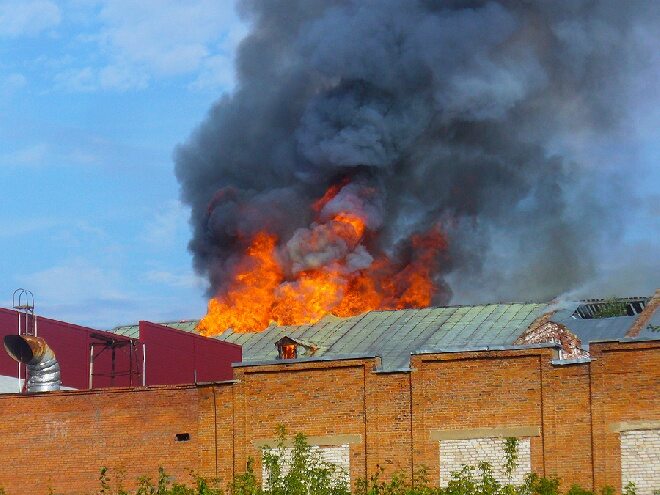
(395, 335)
(392, 335)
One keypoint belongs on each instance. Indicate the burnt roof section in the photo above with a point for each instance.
(392, 335)
(597, 329)
(395, 335)
(607, 308)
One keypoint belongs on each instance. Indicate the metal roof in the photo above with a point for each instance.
(395, 335)
(392, 335)
(652, 328)
(595, 329)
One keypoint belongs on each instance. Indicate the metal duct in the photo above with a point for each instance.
(43, 368)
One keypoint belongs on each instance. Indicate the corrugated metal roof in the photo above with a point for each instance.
(393, 335)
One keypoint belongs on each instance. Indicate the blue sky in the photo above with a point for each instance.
(94, 96)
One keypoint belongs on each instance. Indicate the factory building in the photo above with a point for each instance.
(437, 387)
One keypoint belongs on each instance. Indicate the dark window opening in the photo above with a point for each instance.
(182, 437)
(608, 308)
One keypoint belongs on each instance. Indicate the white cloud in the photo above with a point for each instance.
(79, 291)
(122, 78)
(10, 228)
(82, 80)
(74, 281)
(216, 72)
(177, 280)
(112, 77)
(13, 82)
(27, 18)
(141, 41)
(166, 224)
(10, 85)
(32, 155)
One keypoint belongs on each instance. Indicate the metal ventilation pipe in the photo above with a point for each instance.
(43, 368)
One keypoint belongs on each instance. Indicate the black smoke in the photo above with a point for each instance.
(463, 113)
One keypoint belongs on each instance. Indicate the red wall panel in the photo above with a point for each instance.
(173, 356)
(177, 357)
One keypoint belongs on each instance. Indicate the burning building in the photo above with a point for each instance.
(397, 389)
(399, 155)
(377, 162)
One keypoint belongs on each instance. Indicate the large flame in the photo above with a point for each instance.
(315, 273)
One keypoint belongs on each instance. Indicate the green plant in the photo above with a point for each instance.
(629, 489)
(246, 483)
(104, 480)
(578, 490)
(611, 307)
(293, 467)
(535, 485)
(510, 456)
(300, 469)
(375, 486)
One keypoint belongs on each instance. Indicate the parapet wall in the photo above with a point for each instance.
(585, 423)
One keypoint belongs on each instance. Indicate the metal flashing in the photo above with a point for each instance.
(342, 357)
(566, 362)
(454, 350)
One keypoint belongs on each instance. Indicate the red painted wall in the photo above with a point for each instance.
(71, 345)
(173, 356)
(176, 357)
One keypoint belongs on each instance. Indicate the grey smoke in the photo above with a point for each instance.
(465, 113)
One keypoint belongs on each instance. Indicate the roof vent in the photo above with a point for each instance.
(288, 348)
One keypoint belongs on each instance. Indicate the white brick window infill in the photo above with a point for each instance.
(455, 454)
(332, 454)
(640, 460)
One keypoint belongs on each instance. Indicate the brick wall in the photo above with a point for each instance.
(567, 424)
(640, 460)
(576, 418)
(337, 455)
(469, 391)
(625, 380)
(322, 400)
(454, 454)
(62, 439)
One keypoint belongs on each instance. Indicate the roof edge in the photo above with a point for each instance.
(311, 359)
(454, 350)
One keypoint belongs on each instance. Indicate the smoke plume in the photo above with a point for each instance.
(469, 117)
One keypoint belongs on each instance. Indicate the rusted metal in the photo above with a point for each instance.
(42, 366)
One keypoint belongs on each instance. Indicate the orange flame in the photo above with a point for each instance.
(263, 291)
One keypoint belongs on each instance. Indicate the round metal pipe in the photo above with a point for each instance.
(43, 368)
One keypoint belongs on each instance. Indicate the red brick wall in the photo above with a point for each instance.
(62, 439)
(318, 399)
(567, 425)
(388, 428)
(475, 390)
(625, 386)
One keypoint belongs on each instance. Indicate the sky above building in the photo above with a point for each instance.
(94, 97)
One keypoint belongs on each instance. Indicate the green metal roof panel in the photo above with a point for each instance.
(393, 335)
